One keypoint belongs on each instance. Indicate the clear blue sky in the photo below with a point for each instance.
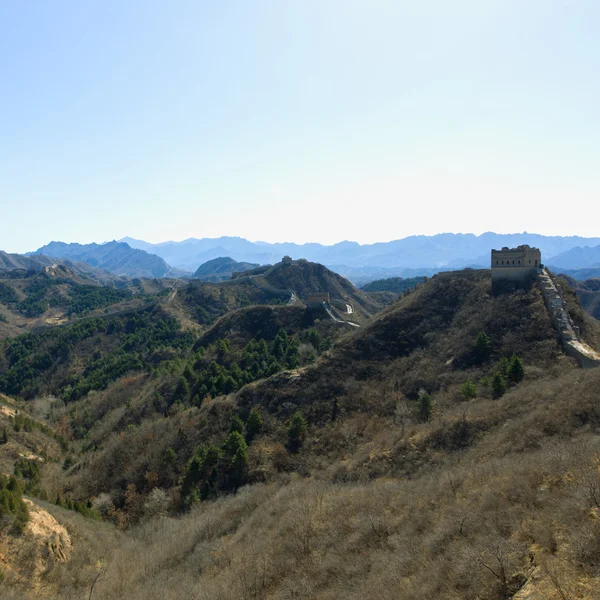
(304, 120)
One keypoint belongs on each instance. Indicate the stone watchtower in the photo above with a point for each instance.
(515, 268)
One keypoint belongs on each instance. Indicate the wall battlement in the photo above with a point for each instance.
(316, 299)
(515, 267)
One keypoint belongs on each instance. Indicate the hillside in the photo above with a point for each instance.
(280, 284)
(425, 445)
(588, 293)
(56, 295)
(220, 269)
(437, 323)
(115, 257)
(396, 285)
(303, 278)
(17, 265)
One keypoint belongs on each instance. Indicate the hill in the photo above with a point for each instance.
(302, 278)
(220, 269)
(588, 293)
(446, 449)
(17, 265)
(396, 285)
(48, 295)
(115, 257)
(579, 274)
(287, 282)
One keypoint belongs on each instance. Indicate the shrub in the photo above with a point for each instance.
(11, 503)
(499, 384)
(516, 370)
(468, 390)
(483, 347)
(424, 407)
(297, 431)
(254, 425)
(235, 450)
(236, 424)
(157, 504)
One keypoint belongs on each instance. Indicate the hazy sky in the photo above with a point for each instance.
(304, 120)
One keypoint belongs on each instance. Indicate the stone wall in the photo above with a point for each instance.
(522, 257)
(568, 334)
(318, 298)
(514, 268)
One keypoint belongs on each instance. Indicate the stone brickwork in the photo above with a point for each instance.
(316, 299)
(567, 332)
(515, 268)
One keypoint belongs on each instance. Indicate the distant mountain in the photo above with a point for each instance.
(115, 257)
(577, 258)
(437, 252)
(13, 262)
(39, 263)
(222, 268)
(579, 274)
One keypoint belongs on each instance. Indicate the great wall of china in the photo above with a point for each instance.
(521, 266)
(567, 332)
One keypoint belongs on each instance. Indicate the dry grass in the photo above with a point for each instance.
(376, 505)
(411, 519)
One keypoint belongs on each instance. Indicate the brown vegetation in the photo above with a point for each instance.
(483, 495)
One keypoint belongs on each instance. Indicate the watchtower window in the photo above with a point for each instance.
(536, 262)
(513, 262)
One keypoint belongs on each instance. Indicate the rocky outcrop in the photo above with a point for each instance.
(44, 541)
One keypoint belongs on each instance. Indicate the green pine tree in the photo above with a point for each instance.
(236, 424)
(297, 431)
(516, 369)
(254, 425)
(483, 347)
(236, 454)
(182, 391)
(424, 407)
(499, 385)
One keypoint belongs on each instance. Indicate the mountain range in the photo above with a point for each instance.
(116, 257)
(578, 257)
(395, 258)
(412, 256)
(42, 263)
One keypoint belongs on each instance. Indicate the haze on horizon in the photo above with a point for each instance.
(310, 121)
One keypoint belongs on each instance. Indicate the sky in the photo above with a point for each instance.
(297, 120)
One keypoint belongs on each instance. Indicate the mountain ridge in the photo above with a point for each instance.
(580, 257)
(116, 257)
(419, 252)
